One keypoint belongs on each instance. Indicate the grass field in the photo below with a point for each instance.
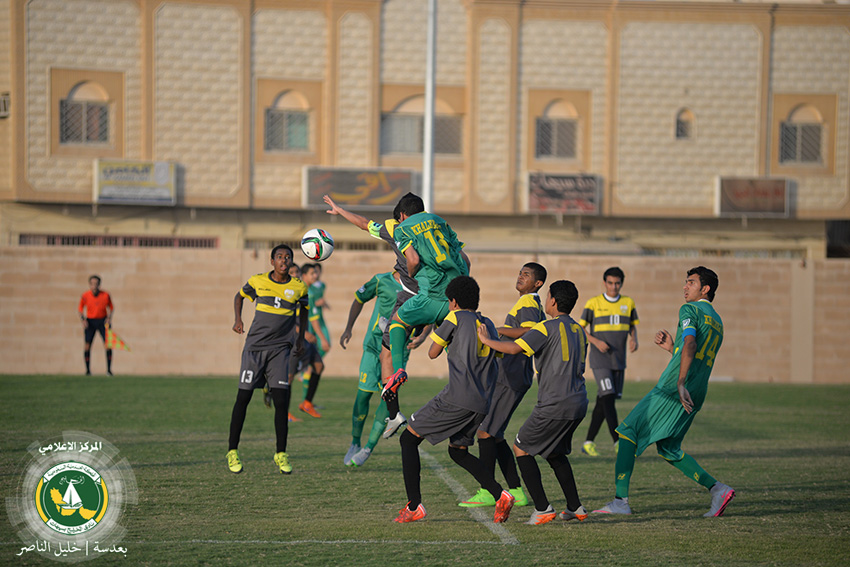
(783, 448)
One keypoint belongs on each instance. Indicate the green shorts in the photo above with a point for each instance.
(658, 418)
(423, 310)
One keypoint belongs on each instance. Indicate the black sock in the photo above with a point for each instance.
(487, 454)
(611, 415)
(474, 467)
(237, 418)
(507, 464)
(314, 385)
(411, 467)
(596, 419)
(109, 360)
(564, 473)
(533, 483)
(87, 358)
(393, 407)
(281, 397)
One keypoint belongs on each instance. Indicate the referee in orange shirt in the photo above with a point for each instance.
(96, 313)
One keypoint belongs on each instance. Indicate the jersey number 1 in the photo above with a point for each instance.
(439, 254)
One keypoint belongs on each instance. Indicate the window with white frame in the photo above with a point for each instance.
(287, 124)
(557, 132)
(84, 115)
(801, 137)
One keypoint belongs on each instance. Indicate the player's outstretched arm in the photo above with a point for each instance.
(360, 222)
(238, 326)
(507, 347)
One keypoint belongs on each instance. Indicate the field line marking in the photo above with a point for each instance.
(478, 514)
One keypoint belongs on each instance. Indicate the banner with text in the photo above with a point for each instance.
(564, 194)
(357, 188)
(131, 182)
(751, 197)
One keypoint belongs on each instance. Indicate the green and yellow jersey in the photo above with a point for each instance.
(439, 252)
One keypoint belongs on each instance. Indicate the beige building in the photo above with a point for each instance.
(623, 131)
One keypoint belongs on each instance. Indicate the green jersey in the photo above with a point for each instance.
(700, 320)
(385, 288)
(439, 252)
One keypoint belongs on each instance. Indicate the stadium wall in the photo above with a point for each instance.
(174, 308)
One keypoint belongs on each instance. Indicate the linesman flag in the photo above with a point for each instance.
(113, 341)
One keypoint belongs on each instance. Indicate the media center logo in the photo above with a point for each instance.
(72, 499)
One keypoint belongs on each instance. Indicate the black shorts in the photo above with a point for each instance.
(503, 404)
(309, 356)
(545, 436)
(261, 366)
(95, 326)
(438, 420)
(609, 381)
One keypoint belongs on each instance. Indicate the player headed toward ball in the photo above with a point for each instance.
(268, 351)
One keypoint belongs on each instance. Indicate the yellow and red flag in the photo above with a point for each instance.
(113, 341)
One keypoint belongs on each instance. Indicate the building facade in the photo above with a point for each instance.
(654, 104)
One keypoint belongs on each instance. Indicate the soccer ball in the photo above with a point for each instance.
(317, 244)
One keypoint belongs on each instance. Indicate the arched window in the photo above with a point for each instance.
(402, 129)
(685, 125)
(288, 123)
(801, 136)
(557, 131)
(84, 115)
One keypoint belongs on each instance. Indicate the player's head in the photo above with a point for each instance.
(707, 278)
(531, 278)
(94, 282)
(464, 291)
(309, 273)
(613, 278)
(294, 271)
(565, 294)
(281, 247)
(410, 204)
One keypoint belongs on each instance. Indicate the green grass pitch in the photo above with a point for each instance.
(783, 448)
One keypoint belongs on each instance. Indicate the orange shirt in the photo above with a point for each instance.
(95, 306)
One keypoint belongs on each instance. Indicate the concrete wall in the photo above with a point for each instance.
(785, 320)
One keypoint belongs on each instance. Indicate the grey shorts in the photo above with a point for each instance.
(261, 366)
(609, 381)
(439, 420)
(503, 404)
(545, 436)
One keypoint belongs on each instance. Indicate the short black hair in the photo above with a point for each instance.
(410, 204)
(565, 294)
(706, 278)
(616, 272)
(94, 277)
(538, 271)
(465, 291)
(284, 247)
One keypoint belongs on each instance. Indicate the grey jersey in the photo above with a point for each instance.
(517, 370)
(472, 373)
(559, 348)
(277, 305)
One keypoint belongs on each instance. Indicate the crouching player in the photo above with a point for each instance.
(457, 411)
(559, 348)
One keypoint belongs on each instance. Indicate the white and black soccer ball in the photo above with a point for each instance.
(317, 244)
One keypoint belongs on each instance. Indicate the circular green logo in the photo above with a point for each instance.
(71, 498)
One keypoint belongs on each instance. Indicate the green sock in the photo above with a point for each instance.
(378, 425)
(398, 344)
(624, 467)
(358, 415)
(692, 470)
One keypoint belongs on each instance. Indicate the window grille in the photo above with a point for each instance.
(83, 122)
(403, 134)
(800, 143)
(287, 130)
(556, 138)
(116, 241)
